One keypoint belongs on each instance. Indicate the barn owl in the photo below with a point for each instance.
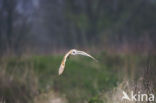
(71, 52)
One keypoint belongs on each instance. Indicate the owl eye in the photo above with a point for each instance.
(74, 52)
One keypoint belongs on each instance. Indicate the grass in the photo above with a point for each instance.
(83, 80)
(80, 80)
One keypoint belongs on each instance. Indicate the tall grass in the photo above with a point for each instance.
(32, 79)
(18, 83)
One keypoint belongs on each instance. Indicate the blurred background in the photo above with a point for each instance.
(45, 26)
(35, 34)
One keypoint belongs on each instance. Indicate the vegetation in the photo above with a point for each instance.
(54, 25)
(84, 80)
(34, 35)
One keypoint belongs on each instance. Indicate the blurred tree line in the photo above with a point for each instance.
(51, 25)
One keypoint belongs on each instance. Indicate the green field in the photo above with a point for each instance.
(84, 81)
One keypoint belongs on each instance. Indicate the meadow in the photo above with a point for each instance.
(35, 79)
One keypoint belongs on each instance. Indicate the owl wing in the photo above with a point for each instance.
(62, 66)
(86, 54)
